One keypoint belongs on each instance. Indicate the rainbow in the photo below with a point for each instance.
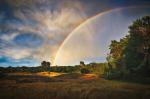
(86, 22)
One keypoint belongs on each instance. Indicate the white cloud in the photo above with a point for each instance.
(52, 25)
(17, 54)
(9, 37)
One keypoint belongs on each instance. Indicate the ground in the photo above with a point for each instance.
(53, 85)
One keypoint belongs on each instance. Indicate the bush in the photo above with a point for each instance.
(2, 75)
(85, 71)
(112, 73)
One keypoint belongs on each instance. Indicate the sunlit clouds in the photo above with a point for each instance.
(38, 29)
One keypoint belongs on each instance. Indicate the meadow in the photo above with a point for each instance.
(54, 85)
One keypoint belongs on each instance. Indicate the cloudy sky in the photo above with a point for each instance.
(33, 30)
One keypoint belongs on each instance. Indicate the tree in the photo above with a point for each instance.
(131, 55)
(137, 52)
(117, 51)
(82, 63)
(45, 64)
(115, 67)
(48, 64)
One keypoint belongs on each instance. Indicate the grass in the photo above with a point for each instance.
(68, 86)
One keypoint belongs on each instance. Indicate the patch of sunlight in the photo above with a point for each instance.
(89, 76)
(49, 74)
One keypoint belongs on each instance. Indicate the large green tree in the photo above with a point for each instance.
(116, 51)
(115, 67)
(132, 53)
(137, 52)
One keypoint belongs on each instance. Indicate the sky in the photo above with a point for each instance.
(90, 41)
(35, 30)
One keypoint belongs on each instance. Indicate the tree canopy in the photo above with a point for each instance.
(132, 53)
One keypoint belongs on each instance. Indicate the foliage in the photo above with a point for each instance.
(2, 74)
(45, 64)
(137, 52)
(97, 68)
(115, 60)
(82, 63)
(84, 71)
(131, 55)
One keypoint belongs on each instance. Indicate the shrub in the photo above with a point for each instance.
(85, 71)
(2, 75)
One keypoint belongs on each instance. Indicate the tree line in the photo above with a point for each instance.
(130, 57)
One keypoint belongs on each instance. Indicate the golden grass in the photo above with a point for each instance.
(89, 76)
(49, 74)
(68, 86)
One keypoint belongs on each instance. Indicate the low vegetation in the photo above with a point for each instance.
(68, 86)
(91, 68)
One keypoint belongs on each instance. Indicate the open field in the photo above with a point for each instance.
(53, 85)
